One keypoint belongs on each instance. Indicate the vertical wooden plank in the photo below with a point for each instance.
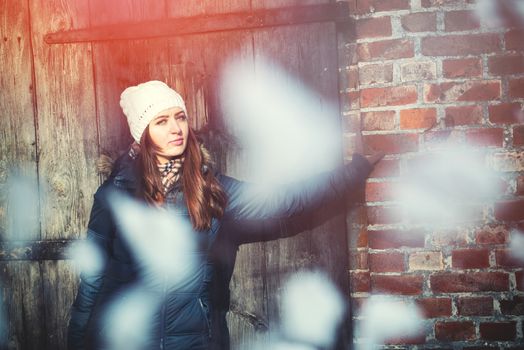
(66, 118)
(60, 283)
(308, 53)
(22, 299)
(68, 149)
(17, 127)
(120, 64)
(249, 319)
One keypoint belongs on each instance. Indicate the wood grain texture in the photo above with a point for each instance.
(18, 157)
(66, 118)
(258, 4)
(249, 321)
(186, 8)
(23, 304)
(306, 53)
(121, 64)
(196, 62)
(60, 282)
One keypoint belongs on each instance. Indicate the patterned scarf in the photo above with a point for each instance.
(169, 172)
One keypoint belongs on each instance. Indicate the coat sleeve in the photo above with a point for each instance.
(263, 230)
(99, 233)
(248, 201)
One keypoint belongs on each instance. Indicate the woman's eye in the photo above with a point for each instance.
(160, 122)
(181, 117)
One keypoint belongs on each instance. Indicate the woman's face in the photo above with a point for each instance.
(168, 131)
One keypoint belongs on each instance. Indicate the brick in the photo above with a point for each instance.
(348, 53)
(518, 135)
(460, 20)
(504, 258)
(403, 285)
(500, 185)
(520, 186)
(516, 88)
(373, 27)
(460, 45)
(498, 330)
(362, 237)
(360, 7)
(376, 73)
(386, 168)
(386, 262)
(388, 96)
(351, 100)
(349, 79)
(392, 239)
(451, 282)
(505, 113)
(470, 258)
(467, 91)
(418, 118)
(511, 210)
(417, 71)
(438, 3)
(513, 39)
(441, 138)
(506, 65)
(519, 275)
(381, 215)
(351, 122)
(475, 306)
(464, 115)
(425, 261)
(508, 161)
(462, 68)
(449, 239)
(380, 191)
(419, 22)
(378, 120)
(386, 50)
(485, 137)
(359, 282)
(454, 331)
(391, 144)
(358, 259)
(492, 234)
(468, 213)
(403, 340)
(435, 307)
(514, 306)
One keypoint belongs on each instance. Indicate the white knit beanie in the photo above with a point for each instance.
(141, 103)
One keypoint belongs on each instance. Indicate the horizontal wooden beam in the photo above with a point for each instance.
(35, 250)
(331, 12)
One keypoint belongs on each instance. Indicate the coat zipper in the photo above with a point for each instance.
(206, 317)
(163, 314)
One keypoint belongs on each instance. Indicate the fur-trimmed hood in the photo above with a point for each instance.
(107, 164)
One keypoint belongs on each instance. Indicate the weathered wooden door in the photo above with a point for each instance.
(60, 110)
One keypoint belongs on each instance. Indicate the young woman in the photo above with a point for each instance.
(168, 168)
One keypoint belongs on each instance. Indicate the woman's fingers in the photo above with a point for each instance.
(375, 158)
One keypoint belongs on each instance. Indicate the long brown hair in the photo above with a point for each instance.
(203, 194)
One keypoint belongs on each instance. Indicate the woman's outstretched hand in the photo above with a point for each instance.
(375, 158)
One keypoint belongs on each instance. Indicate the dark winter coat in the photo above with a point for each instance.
(195, 318)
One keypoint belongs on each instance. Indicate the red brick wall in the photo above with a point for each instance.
(412, 65)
